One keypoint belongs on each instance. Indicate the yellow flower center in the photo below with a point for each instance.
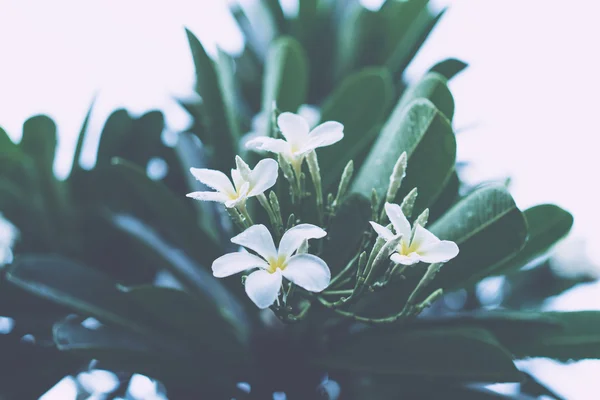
(274, 263)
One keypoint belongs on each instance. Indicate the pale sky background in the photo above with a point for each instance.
(531, 93)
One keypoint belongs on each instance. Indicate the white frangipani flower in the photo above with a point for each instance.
(424, 246)
(8, 235)
(263, 285)
(299, 138)
(260, 122)
(246, 182)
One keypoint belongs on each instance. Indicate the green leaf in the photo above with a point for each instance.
(417, 28)
(213, 83)
(360, 102)
(433, 87)
(547, 224)
(164, 208)
(6, 143)
(579, 339)
(502, 324)
(449, 67)
(81, 138)
(467, 355)
(346, 231)
(78, 287)
(488, 228)
(40, 367)
(120, 350)
(201, 321)
(426, 136)
(448, 196)
(117, 131)
(286, 76)
(39, 141)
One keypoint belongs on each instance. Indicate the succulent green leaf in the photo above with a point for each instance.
(167, 210)
(449, 67)
(286, 76)
(433, 87)
(547, 224)
(488, 228)
(467, 354)
(116, 132)
(201, 321)
(166, 360)
(39, 140)
(418, 24)
(346, 231)
(426, 136)
(6, 143)
(214, 84)
(578, 339)
(360, 102)
(81, 138)
(77, 287)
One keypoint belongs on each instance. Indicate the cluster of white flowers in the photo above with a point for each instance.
(290, 260)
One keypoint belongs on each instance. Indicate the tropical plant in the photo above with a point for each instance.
(83, 282)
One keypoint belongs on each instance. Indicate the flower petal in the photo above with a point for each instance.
(410, 259)
(398, 220)
(293, 127)
(237, 179)
(423, 238)
(443, 251)
(308, 271)
(259, 239)
(214, 179)
(262, 287)
(233, 263)
(263, 176)
(312, 114)
(293, 238)
(208, 196)
(278, 146)
(382, 231)
(325, 134)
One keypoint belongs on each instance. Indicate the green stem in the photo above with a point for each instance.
(343, 272)
(337, 292)
(236, 218)
(244, 212)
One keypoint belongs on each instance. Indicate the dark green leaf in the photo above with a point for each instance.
(488, 228)
(157, 254)
(116, 132)
(39, 141)
(433, 87)
(212, 83)
(125, 351)
(6, 143)
(546, 224)
(360, 102)
(29, 369)
(81, 138)
(579, 338)
(167, 210)
(286, 76)
(468, 355)
(199, 320)
(78, 288)
(346, 232)
(426, 136)
(449, 68)
(419, 28)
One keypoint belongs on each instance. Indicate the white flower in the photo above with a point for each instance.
(8, 235)
(424, 246)
(299, 139)
(262, 286)
(246, 182)
(260, 122)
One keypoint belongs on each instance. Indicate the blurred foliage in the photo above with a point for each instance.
(91, 245)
